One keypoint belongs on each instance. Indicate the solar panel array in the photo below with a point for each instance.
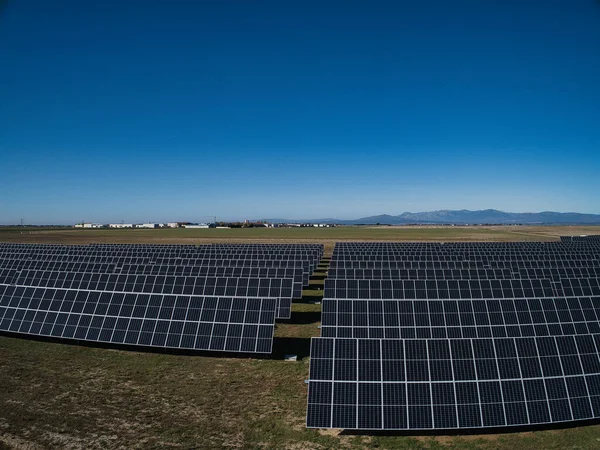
(586, 238)
(464, 335)
(213, 297)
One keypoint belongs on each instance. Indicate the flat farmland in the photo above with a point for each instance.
(326, 236)
(56, 395)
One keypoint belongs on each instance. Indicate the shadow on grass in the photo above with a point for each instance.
(317, 278)
(281, 346)
(302, 318)
(290, 346)
(310, 298)
(475, 431)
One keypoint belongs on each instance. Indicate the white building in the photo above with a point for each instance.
(145, 225)
(199, 225)
(88, 225)
(120, 225)
(172, 224)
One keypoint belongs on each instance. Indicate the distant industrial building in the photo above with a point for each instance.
(200, 225)
(146, 225)
(88, 225)
(302, 225)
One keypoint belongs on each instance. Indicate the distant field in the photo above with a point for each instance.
(327, 236)
(55, 395)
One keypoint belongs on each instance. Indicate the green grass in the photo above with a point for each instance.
(54, 395)
(65, 396)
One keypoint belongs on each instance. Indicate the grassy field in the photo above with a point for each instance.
(327, 236)
(54, 395)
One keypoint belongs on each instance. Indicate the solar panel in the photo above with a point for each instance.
(147, 267)
(589, 238)
(294, 272)
(279, 288)
(583, 286)
(492, 264)
(420, 384)
(216, 267)
(419, 274)
(167, 269)
(183, 322)
(463, 335)
(458, 258)
(557, 273)
(438, 289)
(463, 274)
(443, 319)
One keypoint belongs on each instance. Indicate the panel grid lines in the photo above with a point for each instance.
(468, 318)
(64, 314)
(209, 297)
(532, 392)
(463, 336)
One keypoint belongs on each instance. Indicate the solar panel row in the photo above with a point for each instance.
(463, 264)
(185, 322)
(564, 240)
(224, 298)
(467, 335)
(143, 266)
(438, 289)
(279, 288)
(464, 274)
(454, 383)
(445, 319)
(482, 259)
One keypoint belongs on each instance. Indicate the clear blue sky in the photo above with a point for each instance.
(180, 110)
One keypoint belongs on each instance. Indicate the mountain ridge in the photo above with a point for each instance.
(462, 217)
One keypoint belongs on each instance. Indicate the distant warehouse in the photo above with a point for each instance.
(88, 225)
(199, 225)
(146, 225)
(133, 225)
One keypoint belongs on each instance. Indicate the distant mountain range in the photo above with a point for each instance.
(463, 217)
